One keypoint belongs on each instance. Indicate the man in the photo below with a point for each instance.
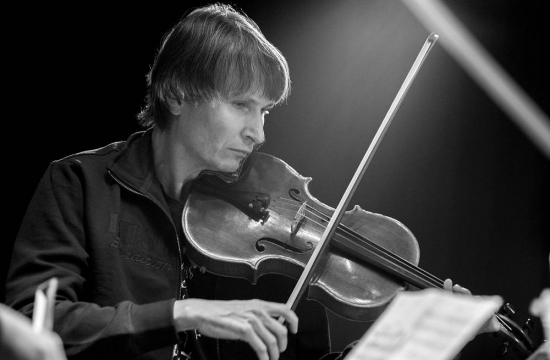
(107, 223)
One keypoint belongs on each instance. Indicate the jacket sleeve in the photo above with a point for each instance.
(52, 243)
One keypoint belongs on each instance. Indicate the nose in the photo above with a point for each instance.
(254, 130)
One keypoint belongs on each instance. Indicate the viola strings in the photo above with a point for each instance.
(312, 213)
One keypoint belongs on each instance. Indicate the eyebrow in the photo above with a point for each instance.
(271, 104)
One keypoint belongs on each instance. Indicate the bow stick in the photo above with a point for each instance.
(304, 279)
(485, 70)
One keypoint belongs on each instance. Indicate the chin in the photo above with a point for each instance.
(229, 166)
(226, 164)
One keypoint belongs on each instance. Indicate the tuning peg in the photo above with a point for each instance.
(528, 326)
(508, 310)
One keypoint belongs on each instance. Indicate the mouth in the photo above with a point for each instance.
(242, 153)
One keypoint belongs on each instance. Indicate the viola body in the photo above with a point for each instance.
(227, 240)
(268, 223)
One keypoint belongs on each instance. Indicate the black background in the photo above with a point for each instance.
(453, 167)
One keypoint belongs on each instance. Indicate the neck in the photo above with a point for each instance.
(173, 168)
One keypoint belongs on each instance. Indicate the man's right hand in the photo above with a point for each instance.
(254, 321)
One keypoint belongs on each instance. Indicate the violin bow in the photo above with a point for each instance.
(485, 70)
(309, 270)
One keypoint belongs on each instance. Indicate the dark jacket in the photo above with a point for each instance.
(99, 222)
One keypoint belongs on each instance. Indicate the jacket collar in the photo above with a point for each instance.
(134, 166)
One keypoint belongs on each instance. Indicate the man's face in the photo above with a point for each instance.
(218, 135)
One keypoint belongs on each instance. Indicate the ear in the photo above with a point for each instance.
(175, 106)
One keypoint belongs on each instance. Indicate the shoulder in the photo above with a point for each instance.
(102, 154)
(73, 170)
(92, 166)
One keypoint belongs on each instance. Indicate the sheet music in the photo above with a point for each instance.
(431, 324)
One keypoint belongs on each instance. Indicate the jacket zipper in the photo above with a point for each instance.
(182, 281)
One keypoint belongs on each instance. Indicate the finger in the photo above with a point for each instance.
(267, 313)
(279, 330)
(493, 325)
(291, 319)
(539, 305)
(448, 285)
(238, 327)
(270, 327)
(461, 290)
(262, 341)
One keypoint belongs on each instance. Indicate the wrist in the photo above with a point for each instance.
(184, 315)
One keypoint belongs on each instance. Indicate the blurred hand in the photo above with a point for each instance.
(19, 342)
(541, 307)
(492, 325)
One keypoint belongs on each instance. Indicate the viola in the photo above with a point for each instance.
(269, 223)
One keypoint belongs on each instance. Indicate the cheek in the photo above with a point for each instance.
(221, 132)
(215, 129)
(214, 137)
(207, 142)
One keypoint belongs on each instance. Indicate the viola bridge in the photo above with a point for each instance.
(298, 220)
